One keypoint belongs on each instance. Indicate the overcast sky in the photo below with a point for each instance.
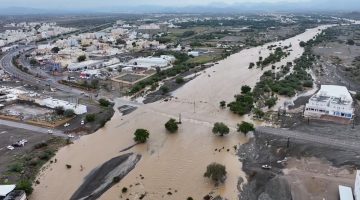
(106, 3)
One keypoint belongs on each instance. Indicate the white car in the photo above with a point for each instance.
(10, 147)
(66, 125)
(266, 166)
(71, 136)
(50, 131)
(82, 122)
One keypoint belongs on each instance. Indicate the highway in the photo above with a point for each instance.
(8, 66)
(341, 144)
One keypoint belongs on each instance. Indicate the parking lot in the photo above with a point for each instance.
(11, 135)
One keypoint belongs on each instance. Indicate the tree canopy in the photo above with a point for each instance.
(141, 135)
(245, 127)
(171, 126)
(216, 172)
(220, 129)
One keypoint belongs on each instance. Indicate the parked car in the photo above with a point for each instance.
(71, 136)
(10, 147)
(266, 166)
(82, 122)
(66, 125)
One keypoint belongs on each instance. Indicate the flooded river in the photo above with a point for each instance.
(172, 165)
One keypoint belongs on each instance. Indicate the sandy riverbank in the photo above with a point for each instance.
(170, 163)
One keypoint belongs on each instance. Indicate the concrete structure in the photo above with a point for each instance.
(357, 186)
(89, 64)
(6, 189)
(332, 101)
(194, 53)
(151, 62)
(345, 193)
(53, 103)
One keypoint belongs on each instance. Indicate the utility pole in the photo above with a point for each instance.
(194, 106)
(179, 118)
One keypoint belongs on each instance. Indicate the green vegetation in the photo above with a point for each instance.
(171, 126)
(164, 89)
(124, 190)
(141, 135)
(222, 104)
(270, 102)
(90, 117)
(69, 113)
(245, 127)
(81, 58)
(273, 57)
(25, 185)
(243, 104)
(104, 102)
(357, 96)
(16, 167)
(245, 89)
(188, 33)
(350, 42)
(216, 172)
(59, 110)
(179, 80)
(220, 129)
(55, 49)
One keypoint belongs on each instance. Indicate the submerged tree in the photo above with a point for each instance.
(171, 126)
(141, 135)
(216, 172)
(220, 129)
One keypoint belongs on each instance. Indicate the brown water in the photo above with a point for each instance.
(169, 162)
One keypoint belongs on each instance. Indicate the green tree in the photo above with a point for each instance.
(69, 113)
(357, 96)
(179, 80)
(302, 44)
(220, 129)
(222, 104)
(171, 126)
(59, 110)
(104, 102)
(81, 58)
(216, 172)
(350, 42)
(270, 102)
(55, 49)
(258, 113)
(33, 62)
(141, 135)
(90, 117)
(245, 89)
(245, 127)
(164, 89)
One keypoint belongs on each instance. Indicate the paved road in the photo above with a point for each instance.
(7, 65)
(351, 145)
(32, 128)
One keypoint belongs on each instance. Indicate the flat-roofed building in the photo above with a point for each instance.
(330, 101)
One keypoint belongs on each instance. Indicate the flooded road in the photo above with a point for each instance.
(172, 165)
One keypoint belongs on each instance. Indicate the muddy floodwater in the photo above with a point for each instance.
(172, 165)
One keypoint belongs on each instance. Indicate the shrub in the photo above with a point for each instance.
(68, 166)
(164, 89)
(245, 127)
(179, 80)
(124, 190)
(90, 117)
(222, 104)
(220, 128)
(59, 110)
(141, 135)
(259, 113)
(171, 126)
(302, 44)
(116, 179)
(104, 102)
(69, 113)
(40, 145)
(190, 198)
(16, 167)
(81, 58)
(271, 102)
(216, 172)
(245, 89)
(25, 185)
(308, 84)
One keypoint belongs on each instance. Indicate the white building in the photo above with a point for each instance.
(53, 103)
(357, 186)
(345, 193)
(89, 64)
(151, 62)
(331, 100)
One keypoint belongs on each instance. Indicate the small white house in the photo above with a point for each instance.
(53, 103)
(193, 53)
(357, 186)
